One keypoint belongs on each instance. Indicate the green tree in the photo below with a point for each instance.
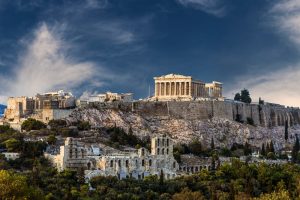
(212, 144)
(245, 96)
(272, 149)
(267, 148)
(161, 177)
(84, 126)
(263, 150)
(51, 139)
(250, 121)
(247, 149)
(295, 151)
(187, 194)
(12, 145)
(237, 97)
(195, 147)
(32, 124)
(14, 186)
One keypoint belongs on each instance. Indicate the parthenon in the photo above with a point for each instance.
(174, 86)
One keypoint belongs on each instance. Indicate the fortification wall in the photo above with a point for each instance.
(263, 115)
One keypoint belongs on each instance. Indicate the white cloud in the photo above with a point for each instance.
(96, 4)
(117, 32)
(280, 86)
(213, 7)
(45, 65)
(287, 19)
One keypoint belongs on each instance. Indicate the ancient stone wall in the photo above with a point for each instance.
(263, 115)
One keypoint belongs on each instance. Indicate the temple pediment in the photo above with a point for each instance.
(173, 76)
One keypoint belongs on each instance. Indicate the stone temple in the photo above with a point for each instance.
(180, 87)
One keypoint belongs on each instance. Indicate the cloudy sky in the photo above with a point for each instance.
(119, 45)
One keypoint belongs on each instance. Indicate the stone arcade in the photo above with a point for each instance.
(102, 161)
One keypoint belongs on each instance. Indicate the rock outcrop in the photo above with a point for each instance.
(184, 124)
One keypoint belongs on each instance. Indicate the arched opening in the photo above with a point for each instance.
(127, 163)
(157, 152)
(89, 166)
(119, 162)
(167, 142)
(163, 151)
(143, 152)
(111, 163)
(167, 151)
(143, 162)
(150, 162)
(76, 153)
(158, 142)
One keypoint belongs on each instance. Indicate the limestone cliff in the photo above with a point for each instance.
(183, 123)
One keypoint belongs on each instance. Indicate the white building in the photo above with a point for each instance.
(11, 155)
(108, 97)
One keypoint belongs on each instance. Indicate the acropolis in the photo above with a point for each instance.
(180, 87)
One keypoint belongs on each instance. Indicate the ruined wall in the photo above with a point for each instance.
(264, 115)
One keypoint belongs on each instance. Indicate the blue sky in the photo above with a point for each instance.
(120, 45)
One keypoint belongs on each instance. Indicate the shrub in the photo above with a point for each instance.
(84, 126)
(32, 124)
(57, 123)
(67, 132)
(250, 121)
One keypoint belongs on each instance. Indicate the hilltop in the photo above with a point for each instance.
(147, 119)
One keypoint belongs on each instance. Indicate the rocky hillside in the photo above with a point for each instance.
(224, 132)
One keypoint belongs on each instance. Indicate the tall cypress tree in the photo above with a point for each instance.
(263, 150)
(272, 147)
(161, 177)
(286, 133)
(295, 151)
(212, 144)
(267, 148)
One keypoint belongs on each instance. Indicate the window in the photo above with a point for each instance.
(150, 162)
(158, 142)
(111, 163)
(168, 151)
(157, 151)
(163, 151)
(143, 162)
(119, 162)
(174, 165)
(127, 163)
